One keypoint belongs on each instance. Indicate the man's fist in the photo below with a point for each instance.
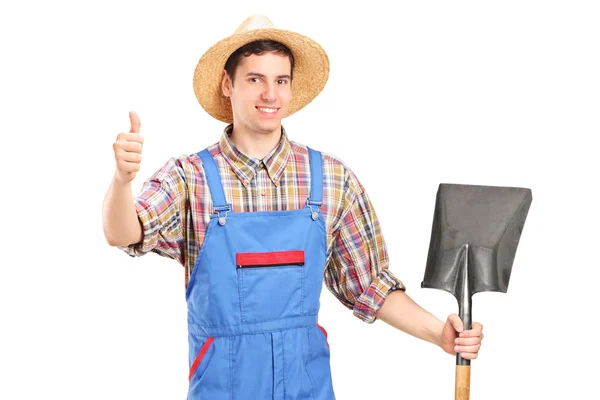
(128, 151)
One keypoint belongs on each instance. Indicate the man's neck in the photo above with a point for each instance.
(255, 144)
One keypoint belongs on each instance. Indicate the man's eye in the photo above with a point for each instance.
(254, 80)
(282, 81)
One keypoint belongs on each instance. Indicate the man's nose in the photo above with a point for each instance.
(269, 93)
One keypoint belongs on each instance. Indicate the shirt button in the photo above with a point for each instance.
(263, 193)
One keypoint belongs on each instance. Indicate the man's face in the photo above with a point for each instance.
(261, 92)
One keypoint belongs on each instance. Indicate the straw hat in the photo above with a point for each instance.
(311, 68)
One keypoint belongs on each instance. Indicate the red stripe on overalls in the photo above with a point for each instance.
(270, 258)
(200, 356)
(325, 332)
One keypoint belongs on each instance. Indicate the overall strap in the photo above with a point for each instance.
(316, 178)
(214, 182)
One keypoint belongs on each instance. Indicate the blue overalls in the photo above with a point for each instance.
(253, 301)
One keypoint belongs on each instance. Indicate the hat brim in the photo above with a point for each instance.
(311, 70)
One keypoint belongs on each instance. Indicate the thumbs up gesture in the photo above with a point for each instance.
(128, 151)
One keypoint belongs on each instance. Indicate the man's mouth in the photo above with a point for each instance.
(268, 110)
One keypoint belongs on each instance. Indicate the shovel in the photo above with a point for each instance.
(474, 238)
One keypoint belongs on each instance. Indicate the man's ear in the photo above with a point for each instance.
(226, 84)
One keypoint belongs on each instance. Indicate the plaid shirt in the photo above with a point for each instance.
(174, 207)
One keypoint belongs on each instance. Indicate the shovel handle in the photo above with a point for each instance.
(462, 386)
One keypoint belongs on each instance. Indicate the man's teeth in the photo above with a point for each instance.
(269, 110)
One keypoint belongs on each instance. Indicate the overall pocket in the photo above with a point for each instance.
(270, 284)
(199, 357)
(318, 367)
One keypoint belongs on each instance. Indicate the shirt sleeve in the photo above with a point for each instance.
(357, 272)
(161, 210)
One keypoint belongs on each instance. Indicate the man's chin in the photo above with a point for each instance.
(269, 127)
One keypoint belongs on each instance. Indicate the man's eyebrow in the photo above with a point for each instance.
(259, 75)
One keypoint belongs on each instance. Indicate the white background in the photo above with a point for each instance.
(476, 92)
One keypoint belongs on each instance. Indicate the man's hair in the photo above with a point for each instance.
(257, 47)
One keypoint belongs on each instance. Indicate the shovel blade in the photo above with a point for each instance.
(474, 238)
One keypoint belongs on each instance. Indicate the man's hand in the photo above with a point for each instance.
(119, 215)
(128, 151)
(457, 340)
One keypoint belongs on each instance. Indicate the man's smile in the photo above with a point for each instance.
(267, 110)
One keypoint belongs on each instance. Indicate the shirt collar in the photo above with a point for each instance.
(245, 167)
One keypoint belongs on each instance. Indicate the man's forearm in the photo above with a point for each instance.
(401, 312)
(119, 216)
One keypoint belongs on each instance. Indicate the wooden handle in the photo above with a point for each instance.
(463, 382)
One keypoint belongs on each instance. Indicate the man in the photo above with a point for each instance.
(258, 222)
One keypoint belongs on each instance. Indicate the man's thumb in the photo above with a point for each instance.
(135, 122)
